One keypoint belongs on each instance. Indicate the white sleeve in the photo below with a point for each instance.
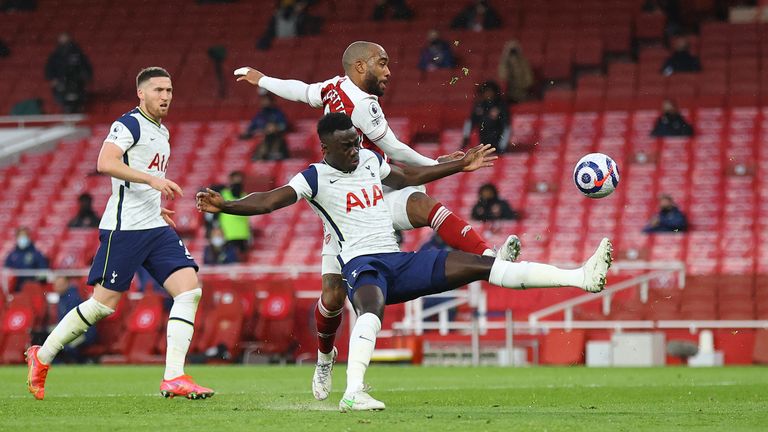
(301, 186)
(120, 135)
(369, 118)
(384, 169)
(294, 90)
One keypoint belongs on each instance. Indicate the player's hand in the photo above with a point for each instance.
(209, 201)
(166, 214)
(248, 74)
(166, 187)
(457, 155)
(478, 157)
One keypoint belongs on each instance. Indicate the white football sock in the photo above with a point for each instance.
(362, 341)
(526, 274)
(181, 326)
(73, 325)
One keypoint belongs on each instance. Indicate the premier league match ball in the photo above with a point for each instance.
(596, 175)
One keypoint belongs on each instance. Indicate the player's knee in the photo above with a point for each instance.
(369, 299)
(419, 206)
(334, 293)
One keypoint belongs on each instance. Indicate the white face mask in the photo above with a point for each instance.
(217, 241)
(22, 242)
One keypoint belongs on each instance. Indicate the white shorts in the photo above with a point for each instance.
(396, 201)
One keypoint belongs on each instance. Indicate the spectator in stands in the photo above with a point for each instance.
(68, 71)
(681, 60)
(477, 16)
(491, 116)
(69, 298)
(437, 54)
(25, 256)
(671, 123)
(516, 72)
(289, 21)
(270, 121)
(218, 250)
(236, 229)
(669, 218)
(4, 50)
(398, 9)
(86, 217)
(490, 207)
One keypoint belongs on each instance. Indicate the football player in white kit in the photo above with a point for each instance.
(366, 67)
(345, 190)
(134, 232)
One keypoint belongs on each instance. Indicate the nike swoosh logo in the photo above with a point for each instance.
(599, 183)
(334, 181)
(363, 337)
(151, 139)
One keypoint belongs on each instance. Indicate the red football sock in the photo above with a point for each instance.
(455, 231)
(327, 324)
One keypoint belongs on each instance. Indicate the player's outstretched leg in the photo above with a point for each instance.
(181, 326)
(455, 231)
(328, 314)
(462, 269)
(73, 325)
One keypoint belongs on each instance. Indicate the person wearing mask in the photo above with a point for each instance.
(490, 207)
(671, 123)
(669, 218)
(515, 72)
(477, 16)
(236, 229)
(68, 71)
(218, 251)
(681, 60)
(86, 217)
(437, 54)
(25, 256)
(490, 116)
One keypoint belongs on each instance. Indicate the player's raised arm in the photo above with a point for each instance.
(111, 163)
(253, 204)
(476, 158)
(293, 90)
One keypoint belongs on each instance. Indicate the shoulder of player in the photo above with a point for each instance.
(130, 121)
(367, 156)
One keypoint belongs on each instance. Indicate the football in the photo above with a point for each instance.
(596, 175)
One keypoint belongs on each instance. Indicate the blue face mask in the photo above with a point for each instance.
(22, 242)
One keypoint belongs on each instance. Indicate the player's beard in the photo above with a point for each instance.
(371, 84)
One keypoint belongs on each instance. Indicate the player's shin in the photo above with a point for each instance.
(362, 341)
(327, 324)
(73, 325)
(181, 326)
(525, 274)
(456, 232)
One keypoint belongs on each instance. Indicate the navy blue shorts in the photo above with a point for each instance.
(159, 250)
(402, 276)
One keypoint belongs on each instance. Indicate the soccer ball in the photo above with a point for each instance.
(596, 175)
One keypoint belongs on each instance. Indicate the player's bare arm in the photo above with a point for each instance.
(111, 163)
(253, 204)
(478, 157)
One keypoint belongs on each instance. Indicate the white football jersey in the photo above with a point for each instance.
(146, 147)
(351, 204)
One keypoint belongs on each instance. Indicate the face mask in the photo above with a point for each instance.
(22, 242)
(217, 241)
(236, 188)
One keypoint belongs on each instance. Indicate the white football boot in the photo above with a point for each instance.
(360, 401)
(510, 250)
(596, 267)
(322, 379)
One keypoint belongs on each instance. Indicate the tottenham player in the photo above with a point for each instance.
(366, 66)
(134, 232)
(346, 192)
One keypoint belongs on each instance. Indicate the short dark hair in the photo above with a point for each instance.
(150, 72)
(332, 122)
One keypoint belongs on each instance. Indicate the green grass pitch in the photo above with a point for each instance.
(99, 398)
